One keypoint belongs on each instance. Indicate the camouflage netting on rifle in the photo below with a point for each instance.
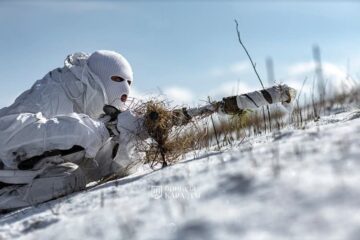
(165, 127)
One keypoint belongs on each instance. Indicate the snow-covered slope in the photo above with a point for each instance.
(294, 184)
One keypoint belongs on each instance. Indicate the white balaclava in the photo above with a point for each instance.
(107, 64)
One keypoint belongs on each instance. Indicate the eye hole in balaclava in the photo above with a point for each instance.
(120, 79)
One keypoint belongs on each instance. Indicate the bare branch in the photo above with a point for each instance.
(254, 67)
(247, 53)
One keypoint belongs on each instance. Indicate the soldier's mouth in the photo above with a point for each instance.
(123, 98)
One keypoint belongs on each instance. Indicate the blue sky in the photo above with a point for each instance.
(184, 49)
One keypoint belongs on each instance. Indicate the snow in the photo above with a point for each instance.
(292, 184)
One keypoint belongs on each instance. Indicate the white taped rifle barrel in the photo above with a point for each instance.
(237, 104)
(256, 99)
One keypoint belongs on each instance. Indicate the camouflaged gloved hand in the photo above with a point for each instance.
(117, 156)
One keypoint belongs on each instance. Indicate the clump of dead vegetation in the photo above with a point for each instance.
(169, 133)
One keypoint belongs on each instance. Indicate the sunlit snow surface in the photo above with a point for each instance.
(293, 184)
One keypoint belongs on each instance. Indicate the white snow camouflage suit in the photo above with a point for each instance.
(59, 113)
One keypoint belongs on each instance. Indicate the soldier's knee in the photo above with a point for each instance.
(64, 178)
(56, 181)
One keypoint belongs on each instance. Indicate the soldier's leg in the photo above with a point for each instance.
(56, 181)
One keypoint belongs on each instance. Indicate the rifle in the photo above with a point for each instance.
(159, 123)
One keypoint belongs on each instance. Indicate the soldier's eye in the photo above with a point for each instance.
(129, 82)
(117, 79)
